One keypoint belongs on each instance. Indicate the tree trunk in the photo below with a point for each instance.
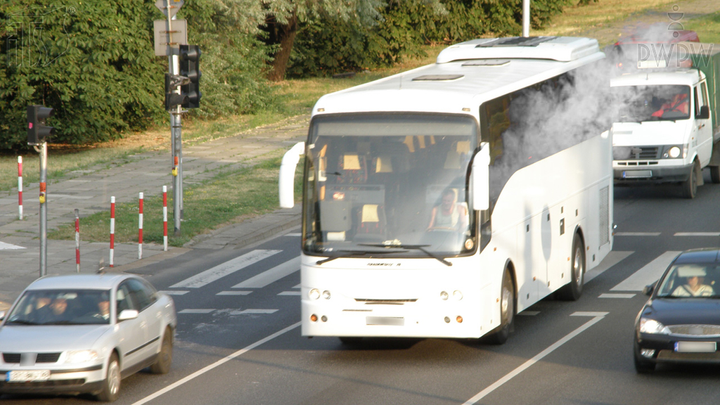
(285, 35)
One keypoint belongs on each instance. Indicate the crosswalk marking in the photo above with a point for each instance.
(8, 246)
(196, 311)
(272, 275)
(222, 270)
(612, 258)
(176, 292)
(637, 234)
(234, 293)
(648, 274)
(290, 293)
(610, 295)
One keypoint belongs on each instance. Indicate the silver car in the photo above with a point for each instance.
(83, 334)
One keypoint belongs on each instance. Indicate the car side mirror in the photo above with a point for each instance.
(704, 113)
(2, 315)
(128, 314)
(648, 289)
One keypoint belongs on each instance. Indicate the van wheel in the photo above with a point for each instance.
(111, 386)
(715, 174)
(573, 290)
(507, 311)
(689, 186)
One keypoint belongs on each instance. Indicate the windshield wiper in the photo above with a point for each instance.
(345, 253)
(410, 247)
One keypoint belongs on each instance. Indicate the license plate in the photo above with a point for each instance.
(695, 347)
(27, 375)
(637, 174)
(382, 320)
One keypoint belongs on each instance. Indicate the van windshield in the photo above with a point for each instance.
(653, 103)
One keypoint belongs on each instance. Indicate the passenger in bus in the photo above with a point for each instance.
(679, 103)
(449, 214)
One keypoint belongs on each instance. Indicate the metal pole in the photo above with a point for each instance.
(77, 239)
(526, 18)
(43, 209)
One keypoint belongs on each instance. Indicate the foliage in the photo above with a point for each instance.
(93, 63)
(327, 46)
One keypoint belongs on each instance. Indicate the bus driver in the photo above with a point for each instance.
(449, 214)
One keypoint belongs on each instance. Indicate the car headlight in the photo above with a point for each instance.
(80, 356)
(652, 326)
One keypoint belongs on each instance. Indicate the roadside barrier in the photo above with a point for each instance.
(77, 239)
(140, 226)
(112, 230)
(20, 187)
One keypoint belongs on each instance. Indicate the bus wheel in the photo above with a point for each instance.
(715, 174)
(689, 186)
(507, 311)
(573, 290)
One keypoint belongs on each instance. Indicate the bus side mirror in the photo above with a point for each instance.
(286, 182)
(704, 113)
(481, 179)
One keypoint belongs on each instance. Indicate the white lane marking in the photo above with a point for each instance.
(293, 234)
(597, 316)
(637, 234)
(610, 295)
(297, 286)
(180, 292)
(234, 293)
(270, 276)
(290, 293)
(650, 273)
(7, 246)
(697, 234)
(215, 365)
(253, 311)
(196, 311)
(222, 270)
(610, 260)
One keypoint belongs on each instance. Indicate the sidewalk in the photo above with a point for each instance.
(90, 192)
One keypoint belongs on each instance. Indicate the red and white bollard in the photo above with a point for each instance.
(20, 186)
(140, 227)
(77, 239)
(112, 230)
(165, 236)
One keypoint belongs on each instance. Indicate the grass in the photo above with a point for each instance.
(254, 191)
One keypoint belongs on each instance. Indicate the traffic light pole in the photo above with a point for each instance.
(175, 137)
(43, 208)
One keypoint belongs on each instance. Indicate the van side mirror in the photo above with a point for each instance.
(704, 113)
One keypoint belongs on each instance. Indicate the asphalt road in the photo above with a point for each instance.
(238, 341)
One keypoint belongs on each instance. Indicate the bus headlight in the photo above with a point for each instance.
(457, 295)
(326, 294)
(444, 295)
(314, 294)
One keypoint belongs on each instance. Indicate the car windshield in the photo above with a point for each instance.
(653, 103)
(61, 307)
(689, 281)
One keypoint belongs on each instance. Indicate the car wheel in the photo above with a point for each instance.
(164, 360)
(507, 311)
(689, 186)
(573, 290)
(643, 366)
(111, 386)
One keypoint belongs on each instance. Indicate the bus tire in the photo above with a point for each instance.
(689, 186)
(507, 311)
(573, 290)
(715, 174)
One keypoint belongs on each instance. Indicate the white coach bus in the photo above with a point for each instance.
(442, 201)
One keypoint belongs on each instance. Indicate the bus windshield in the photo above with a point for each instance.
(653, 103)
(388, 184)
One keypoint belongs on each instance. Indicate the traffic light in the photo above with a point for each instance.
(190, 68)
(173, 99)
(37, 132)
